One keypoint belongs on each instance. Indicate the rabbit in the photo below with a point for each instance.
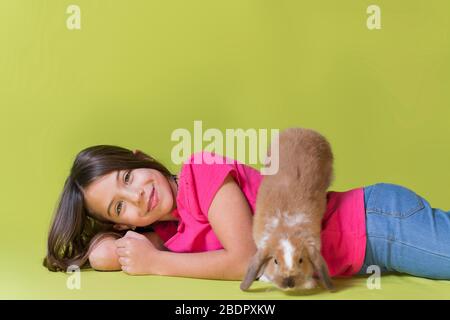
(288, 212)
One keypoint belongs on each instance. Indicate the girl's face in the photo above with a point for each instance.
(129, 198)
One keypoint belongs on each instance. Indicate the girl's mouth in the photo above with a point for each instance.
(153, 199)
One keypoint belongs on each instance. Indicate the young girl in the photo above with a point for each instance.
(199, 224)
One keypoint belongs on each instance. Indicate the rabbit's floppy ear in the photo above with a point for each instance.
(256, 267)
(320, 267)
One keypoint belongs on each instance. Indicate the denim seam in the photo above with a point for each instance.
(409, 213)
(396, 214)
(408, 245)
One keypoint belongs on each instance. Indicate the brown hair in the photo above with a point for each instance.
(74, 231)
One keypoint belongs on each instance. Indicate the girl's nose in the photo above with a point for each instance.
(140, 194)
(136, 196)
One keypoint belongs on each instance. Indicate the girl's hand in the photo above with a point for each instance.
(136, 254)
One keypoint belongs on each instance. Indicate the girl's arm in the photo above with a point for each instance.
(231, 219)
(104, 257)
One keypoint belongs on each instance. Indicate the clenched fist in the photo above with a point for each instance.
(136, 254)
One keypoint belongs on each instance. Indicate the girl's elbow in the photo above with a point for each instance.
(104, 258)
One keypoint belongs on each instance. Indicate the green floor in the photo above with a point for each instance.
(23, 277)
(41, 284)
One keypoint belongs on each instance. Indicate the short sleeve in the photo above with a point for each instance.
(208, 172)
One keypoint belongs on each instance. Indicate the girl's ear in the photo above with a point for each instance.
(122, 227)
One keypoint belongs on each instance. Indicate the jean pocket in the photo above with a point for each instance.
(393, 200)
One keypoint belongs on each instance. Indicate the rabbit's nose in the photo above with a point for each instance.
(289, 282)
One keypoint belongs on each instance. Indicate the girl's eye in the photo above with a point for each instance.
(275, 260)
(126, 179)
(126, 176)
(119, 207)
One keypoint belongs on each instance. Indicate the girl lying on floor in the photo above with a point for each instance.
(124, 210)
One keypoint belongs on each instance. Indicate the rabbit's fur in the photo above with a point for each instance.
(288, 214)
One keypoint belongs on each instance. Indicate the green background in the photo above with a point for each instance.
(137, 70)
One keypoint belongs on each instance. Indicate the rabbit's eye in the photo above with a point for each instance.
(275, 260)
(300, 260)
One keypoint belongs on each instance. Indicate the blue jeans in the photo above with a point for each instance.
(405, 234)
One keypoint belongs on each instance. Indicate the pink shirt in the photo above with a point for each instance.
(343, 225)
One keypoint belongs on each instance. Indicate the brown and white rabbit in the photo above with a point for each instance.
(288, 213)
